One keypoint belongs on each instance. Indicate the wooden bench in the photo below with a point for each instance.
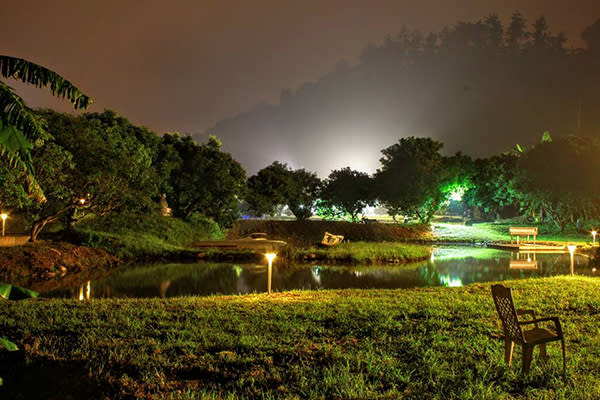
(519, 231)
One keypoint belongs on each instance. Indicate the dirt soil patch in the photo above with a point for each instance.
(35, 262)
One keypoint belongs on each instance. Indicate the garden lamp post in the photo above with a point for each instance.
(594, 233)
(3, 216)
(572, 249)
(270, 257)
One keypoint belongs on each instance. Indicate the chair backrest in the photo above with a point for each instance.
(507, 313)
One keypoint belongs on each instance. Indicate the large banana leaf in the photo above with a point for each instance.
(13, 292)
(34, 74)
(13, 139)
(7, 344)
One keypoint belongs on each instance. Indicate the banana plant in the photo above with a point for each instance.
(13, 292)
(20, 127)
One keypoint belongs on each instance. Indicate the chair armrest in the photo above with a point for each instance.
(556, 321)
(523, 311)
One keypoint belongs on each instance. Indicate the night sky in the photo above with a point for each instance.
(186, 65)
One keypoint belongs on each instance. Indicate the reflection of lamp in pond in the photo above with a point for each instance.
(3, 216)
(87, 293)
(594, 233)
(572, 249)
(270, 257)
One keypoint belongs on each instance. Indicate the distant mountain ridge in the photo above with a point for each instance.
(478, 87)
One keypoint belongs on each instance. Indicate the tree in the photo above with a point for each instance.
(20, 127)
(98, 163)
(410, 177)
(267, 189)
(492, 186)
(302, 193)
(591, 37)
(516, 33)
(277, 185)
(348, 190)
(202, 179)
(567, 191)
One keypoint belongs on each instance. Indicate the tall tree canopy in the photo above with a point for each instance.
(349, 191)
(201, 179)
(410, 179)
(278, 185)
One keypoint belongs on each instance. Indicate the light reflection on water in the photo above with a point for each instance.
(448, 266)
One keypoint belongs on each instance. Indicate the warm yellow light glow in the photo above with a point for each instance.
(594, 233)
(270, 257)
(3, 216)
(571, 248)
(82, 201)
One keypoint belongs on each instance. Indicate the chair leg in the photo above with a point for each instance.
(562, 342)
(527, 355)
(543, 354)
(509, 346)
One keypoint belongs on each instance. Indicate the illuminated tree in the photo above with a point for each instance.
(349, 191)
(410, 179)
(559, 178)
(278, 185)
(20, 127)
(267, 189)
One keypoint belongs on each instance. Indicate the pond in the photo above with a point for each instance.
(448, 266)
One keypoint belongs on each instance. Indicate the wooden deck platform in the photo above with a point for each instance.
(530, 247)
(242, 244)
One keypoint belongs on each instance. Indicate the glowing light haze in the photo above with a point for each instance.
(186, 65)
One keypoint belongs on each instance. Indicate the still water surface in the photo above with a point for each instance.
(448, 266)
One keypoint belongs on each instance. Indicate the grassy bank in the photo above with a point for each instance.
(366, 253)
(499, 231)
(417, 344)
(133, 236)
(309, 233)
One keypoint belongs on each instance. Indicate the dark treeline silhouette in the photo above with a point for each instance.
(477, 86)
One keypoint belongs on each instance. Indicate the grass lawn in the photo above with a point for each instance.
(500, 231)
(440, 343)
(367, 252)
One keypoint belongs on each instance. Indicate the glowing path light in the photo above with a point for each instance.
(270, 257)
(572, 249)
(594, 233)
(3, 216)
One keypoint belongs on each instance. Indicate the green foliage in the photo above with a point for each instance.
(101, 158)
(348, 191)
(132, 235)
(13, 292)
(8, 345)
(493, 184)
(558, 178)
(268, 188)
(410, 179)
(20, 127)
(201, 179)
(277, 185)
(302, 193)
